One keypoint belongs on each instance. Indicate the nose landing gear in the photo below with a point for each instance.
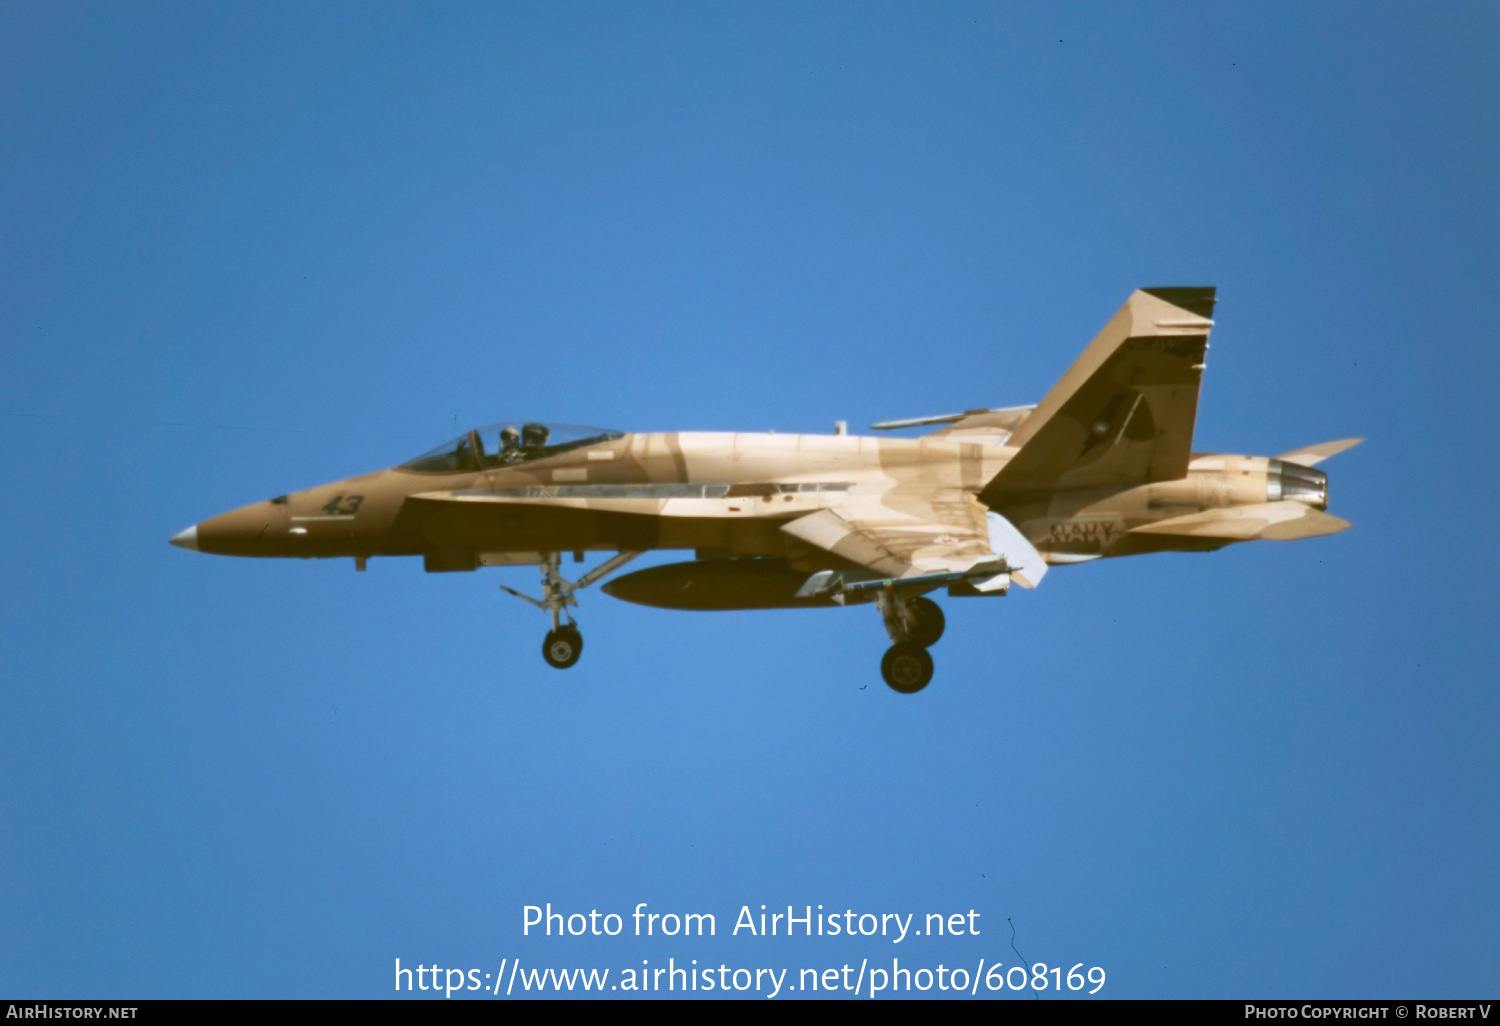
(913, 623)
(564, 642)
(562, 646)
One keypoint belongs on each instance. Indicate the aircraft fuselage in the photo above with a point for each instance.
(771, 479)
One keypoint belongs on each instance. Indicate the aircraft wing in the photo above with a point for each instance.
(909, 532)
(1272, 521)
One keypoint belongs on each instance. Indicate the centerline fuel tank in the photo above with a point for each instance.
(716, 584)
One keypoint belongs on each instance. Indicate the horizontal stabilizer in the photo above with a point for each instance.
(1311, 455)
(1269, 521)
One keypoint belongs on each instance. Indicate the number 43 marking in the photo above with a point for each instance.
(343, 506)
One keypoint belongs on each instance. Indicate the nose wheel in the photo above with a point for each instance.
(562, 646)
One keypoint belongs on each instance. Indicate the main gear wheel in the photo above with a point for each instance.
(907, 667)
(930, 622)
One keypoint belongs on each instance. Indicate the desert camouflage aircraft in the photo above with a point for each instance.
(1102, 466)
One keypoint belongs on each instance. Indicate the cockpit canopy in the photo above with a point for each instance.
(506, 444)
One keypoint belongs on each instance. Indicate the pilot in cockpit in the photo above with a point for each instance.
(510, 444)
(534, 439)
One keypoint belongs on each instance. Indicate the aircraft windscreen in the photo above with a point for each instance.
(506, 444)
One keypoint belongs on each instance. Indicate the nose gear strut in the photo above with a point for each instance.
(564, 643)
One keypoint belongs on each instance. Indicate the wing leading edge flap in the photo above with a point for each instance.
(946, 541)
(830, 532)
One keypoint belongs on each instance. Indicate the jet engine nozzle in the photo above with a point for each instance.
(1297, 483)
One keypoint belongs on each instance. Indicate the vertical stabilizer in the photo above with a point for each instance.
(1123, 414)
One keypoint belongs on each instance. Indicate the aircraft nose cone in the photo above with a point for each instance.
(186, 539)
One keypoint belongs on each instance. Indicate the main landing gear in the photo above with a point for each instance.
(564, 642)
(913, 623)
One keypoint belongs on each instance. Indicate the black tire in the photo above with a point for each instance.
(562, 647)
(907, 667)
(930, 622)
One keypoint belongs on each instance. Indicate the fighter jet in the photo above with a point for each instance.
(1102, 467)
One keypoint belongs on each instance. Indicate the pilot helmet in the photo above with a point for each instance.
(509, 437)
(534, 436)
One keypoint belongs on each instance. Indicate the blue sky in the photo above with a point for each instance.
(246, 249)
